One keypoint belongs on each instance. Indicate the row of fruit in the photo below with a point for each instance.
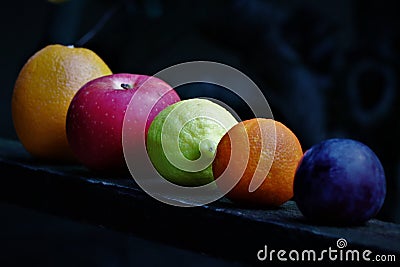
(67, 105)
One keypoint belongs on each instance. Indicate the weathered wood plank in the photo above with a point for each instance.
(221, 228)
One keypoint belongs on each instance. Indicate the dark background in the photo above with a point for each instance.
(328, 69)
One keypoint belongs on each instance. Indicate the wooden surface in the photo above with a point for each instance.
(221, 229)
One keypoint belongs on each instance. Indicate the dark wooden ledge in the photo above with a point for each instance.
(220, 229)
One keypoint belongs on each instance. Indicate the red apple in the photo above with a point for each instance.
(96, 114)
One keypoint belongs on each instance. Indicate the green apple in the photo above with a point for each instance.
(183, 138)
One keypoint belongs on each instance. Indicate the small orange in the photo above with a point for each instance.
(42, 93)
(264, 145)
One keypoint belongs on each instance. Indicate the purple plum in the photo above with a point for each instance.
(339, 182)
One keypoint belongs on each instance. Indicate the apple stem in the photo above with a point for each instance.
(126, 86)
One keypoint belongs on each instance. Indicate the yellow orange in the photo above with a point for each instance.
(42, 93)
(262, 137)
